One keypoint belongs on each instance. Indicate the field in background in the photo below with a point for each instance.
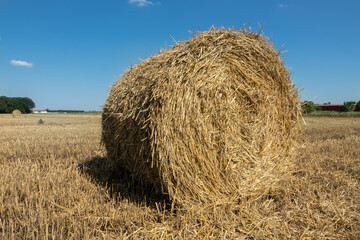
(56, 183)
(333, 114)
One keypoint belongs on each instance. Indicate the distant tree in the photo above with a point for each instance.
(16, 103)
(28, 104)
(358, 105)
(3, 104)
(9, 104)
(308, 107)
(348, 106)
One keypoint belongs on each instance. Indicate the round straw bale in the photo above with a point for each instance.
(16, 113)
(212, 119)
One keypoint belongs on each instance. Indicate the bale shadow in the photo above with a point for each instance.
(121, 184)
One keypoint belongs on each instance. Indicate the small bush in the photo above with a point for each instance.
(309, 106)
(41, 122)
(348, 106)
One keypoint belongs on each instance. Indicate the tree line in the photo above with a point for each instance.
(9, 104)
(309, 106)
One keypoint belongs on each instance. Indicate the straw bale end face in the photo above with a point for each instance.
(212, 119)
(16, 113)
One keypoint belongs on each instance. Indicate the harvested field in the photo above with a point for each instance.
(56, 183)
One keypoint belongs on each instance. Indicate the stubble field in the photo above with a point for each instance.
(56, 183)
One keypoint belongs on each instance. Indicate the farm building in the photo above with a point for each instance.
(333, 107)
(39, 111)
(330, 107)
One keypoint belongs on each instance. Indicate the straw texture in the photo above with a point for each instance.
(213, 119)
(16, 113)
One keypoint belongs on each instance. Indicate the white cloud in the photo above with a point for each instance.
(19, 63)
(141, 3)
(282, 5)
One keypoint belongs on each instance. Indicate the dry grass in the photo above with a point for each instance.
(55, 183)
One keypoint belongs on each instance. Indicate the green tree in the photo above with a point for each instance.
(16, 103)
(3, 104)
(308, 107)
(9, 104)
(27, 104)
(348, 106)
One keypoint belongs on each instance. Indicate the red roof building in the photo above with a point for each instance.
(333, 107)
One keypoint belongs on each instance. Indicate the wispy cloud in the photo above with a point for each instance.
(283, 5)
(19, 63)
(141, 3)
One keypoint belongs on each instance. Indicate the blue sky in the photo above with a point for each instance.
(64, 54)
